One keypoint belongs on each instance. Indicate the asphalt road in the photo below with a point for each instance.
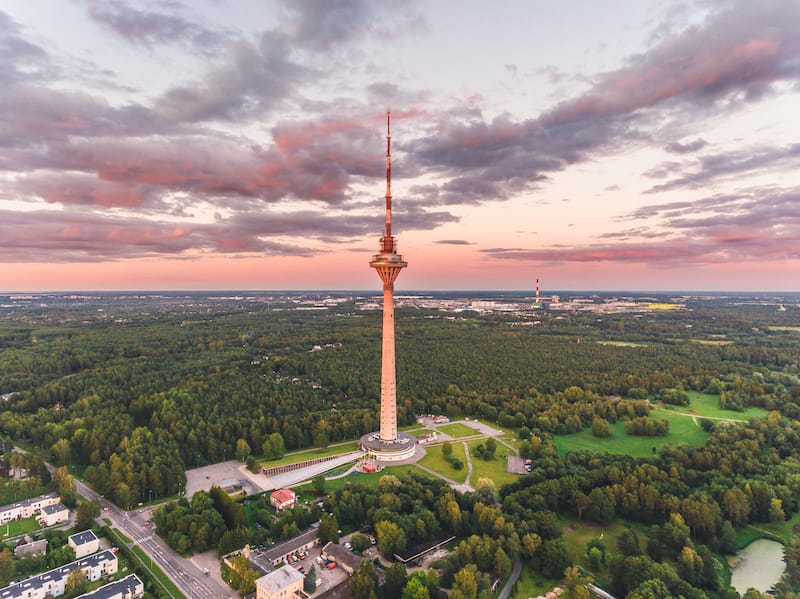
(191, 581)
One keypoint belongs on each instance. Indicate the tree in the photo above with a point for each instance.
(600, 427)
(243, 575)
(7, 566)
(628, 543)
(576, 583)
(273, 447)
(60, 451)
(485, 490)
(242, 449)
(85, 514)
(727, 538)
(396, 579)
(465, 583)
(310, 580)
(76, 582)
(360, 542)
(65, 486)
(328, 530)
(416, 587)
(447, 449)
(391, 538)
(319, 485)
(364, 584)
(553, 558)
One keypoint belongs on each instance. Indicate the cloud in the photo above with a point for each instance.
(687, 148)
(739, 51)
(454, 242)
(759, 224)
(715, 166)
(149, 28)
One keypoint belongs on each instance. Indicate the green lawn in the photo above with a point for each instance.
(458, 430)
(366, 479)
(778, 531)
(682, 429)
(310, 454)
(435, 461)
(705, 404)
(625, 343)
(18, 527)
(495, 469)
(532, 584)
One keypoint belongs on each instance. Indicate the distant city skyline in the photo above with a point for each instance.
(222, 145)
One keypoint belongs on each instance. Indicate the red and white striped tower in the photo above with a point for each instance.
(388, 264)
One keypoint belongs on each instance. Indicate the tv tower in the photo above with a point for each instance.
(388, 264)
(387, 444)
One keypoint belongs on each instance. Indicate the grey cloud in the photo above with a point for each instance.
(454, 242)
(687, 148)
(150, 28)
(714, 166)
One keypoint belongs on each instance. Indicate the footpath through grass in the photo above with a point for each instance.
(435, 460)
(494, 469)
(705, 404)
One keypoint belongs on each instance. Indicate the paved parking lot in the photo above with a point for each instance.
(202, 479)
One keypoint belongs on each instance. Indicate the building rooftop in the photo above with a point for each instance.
(82, 538)
(278, 550)
(54, 509)
(342, 556)
(21, 588)
(279, 579)
(124, 586)
(30, 501)
(282, 495)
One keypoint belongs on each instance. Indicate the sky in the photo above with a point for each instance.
(237, 144)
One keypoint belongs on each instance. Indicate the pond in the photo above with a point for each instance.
(758, 566)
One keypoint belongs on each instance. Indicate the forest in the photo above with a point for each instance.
(132, 396)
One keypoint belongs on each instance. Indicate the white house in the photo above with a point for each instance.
(84, 543)
(53, 514)
(129, 587)
(53, 583)
(283, 583)
(27, 507)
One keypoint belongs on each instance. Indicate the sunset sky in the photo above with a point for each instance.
(234, 144)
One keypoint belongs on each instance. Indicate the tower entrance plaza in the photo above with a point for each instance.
(387, 444)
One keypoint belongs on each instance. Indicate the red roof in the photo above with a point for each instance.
(283, 495)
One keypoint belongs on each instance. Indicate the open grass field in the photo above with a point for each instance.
(682, 429)
(457, 430)
(532, 584)
(624, 343)
(434, 459)
(777, 531)
(495, 469)
(712, 341)
(18, 527)
(705, 404)
(310, 454)
(785, 329)
(366, 479)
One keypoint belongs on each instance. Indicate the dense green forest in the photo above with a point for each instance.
(133, 393)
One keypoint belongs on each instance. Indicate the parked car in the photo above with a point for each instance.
(331, 565)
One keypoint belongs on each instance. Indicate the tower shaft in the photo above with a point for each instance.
(388, 264)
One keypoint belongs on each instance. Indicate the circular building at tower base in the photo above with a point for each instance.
(389, 451)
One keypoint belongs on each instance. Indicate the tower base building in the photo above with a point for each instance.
(401, 448)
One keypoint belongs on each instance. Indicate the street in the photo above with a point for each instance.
(191, 581)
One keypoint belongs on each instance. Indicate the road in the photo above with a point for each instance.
(193, 583)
